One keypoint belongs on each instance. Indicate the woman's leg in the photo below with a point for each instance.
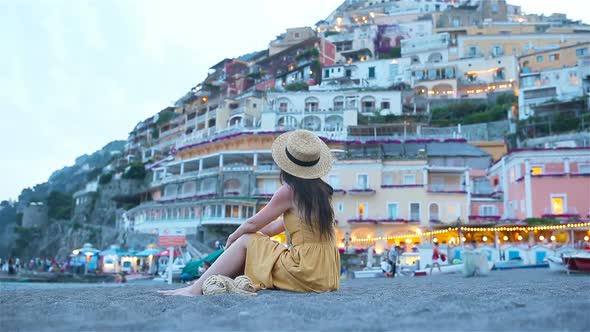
(230, 263)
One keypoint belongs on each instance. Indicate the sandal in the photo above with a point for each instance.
(218, 284)
(245, 285)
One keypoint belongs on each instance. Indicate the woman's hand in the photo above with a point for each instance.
(231, 239)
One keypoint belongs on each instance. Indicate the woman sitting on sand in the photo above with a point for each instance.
(311, 263)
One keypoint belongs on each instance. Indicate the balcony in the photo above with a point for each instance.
(262, 193)
(447, 189)
(484, 219)
(362, 191)
(339, 191)
(233, 193)
(237, 168)
(267, 169)
(209, 171)
(238, 111)
(567, 213)
(401, 186)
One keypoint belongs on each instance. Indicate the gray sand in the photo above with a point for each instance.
(518, 300)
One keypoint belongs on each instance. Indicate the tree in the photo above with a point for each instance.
(59, 205)
(135, 171)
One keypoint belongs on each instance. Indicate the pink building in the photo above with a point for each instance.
(542, 183)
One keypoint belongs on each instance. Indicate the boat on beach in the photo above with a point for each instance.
(517, 263)
(578, 262)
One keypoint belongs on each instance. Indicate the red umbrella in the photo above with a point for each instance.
(167, 253)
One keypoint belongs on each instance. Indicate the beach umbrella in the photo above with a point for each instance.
(113, 250)
(148, 252)
(87, 250)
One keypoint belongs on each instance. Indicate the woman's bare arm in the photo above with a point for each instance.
(274, 228)
(280, 202)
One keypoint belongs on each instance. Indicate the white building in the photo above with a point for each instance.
(558, 84)
(328, 113)
(364, 74)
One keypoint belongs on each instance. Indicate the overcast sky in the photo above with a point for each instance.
(77, 74)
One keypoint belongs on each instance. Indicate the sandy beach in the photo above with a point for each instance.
(518, 300)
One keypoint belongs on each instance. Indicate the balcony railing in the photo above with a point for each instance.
(361, 191)
(209, 171)
(567, 213)
(267, 169)
(262, 193)
(447, 189)
(236, 168)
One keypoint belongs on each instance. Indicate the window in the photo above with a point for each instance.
(554, 57)
(311, 106)
(362, 181)
(581, 52)
(488, 210)
(371, 72)
(540, 58)
(247, 211)
(387, 179)
(414, 211)
(472, 51)
(348, 73)
(385, 105)
(497, 50)
(296, 35)
(326, 73)
(283, 107)
(254, 105)
(362, 210)
(584, 168)
(232, 211)
(393, 70)
(536, 170)
(558, 204)
(334, 181)
(409, 179)
(340, 207)
(392, 211)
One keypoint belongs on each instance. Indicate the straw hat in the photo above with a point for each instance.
(302, 154)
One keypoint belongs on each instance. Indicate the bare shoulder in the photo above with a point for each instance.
(284, 193)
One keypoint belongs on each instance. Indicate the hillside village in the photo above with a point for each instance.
(442, 113)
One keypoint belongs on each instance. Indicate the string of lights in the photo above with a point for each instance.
(419, 233)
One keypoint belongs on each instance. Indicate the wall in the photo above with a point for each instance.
(35, 216)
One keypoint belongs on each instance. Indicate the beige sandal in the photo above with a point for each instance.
(244, 284)
(218, 284)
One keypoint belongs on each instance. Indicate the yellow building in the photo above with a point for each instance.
(380, 198)
(520, 44)
(567, 56)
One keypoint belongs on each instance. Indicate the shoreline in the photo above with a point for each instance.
(504, 300)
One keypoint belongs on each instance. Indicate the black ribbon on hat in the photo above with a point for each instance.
(301, 162)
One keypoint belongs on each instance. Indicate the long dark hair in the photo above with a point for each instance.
(313, 198)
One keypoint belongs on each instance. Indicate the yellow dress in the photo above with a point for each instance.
(309, 264)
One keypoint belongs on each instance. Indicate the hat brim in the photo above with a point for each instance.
(316, 171)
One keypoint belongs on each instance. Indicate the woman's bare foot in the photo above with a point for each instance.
(185, 291)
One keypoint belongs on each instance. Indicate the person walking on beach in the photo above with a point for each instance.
(436, 258)
(311, 263)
